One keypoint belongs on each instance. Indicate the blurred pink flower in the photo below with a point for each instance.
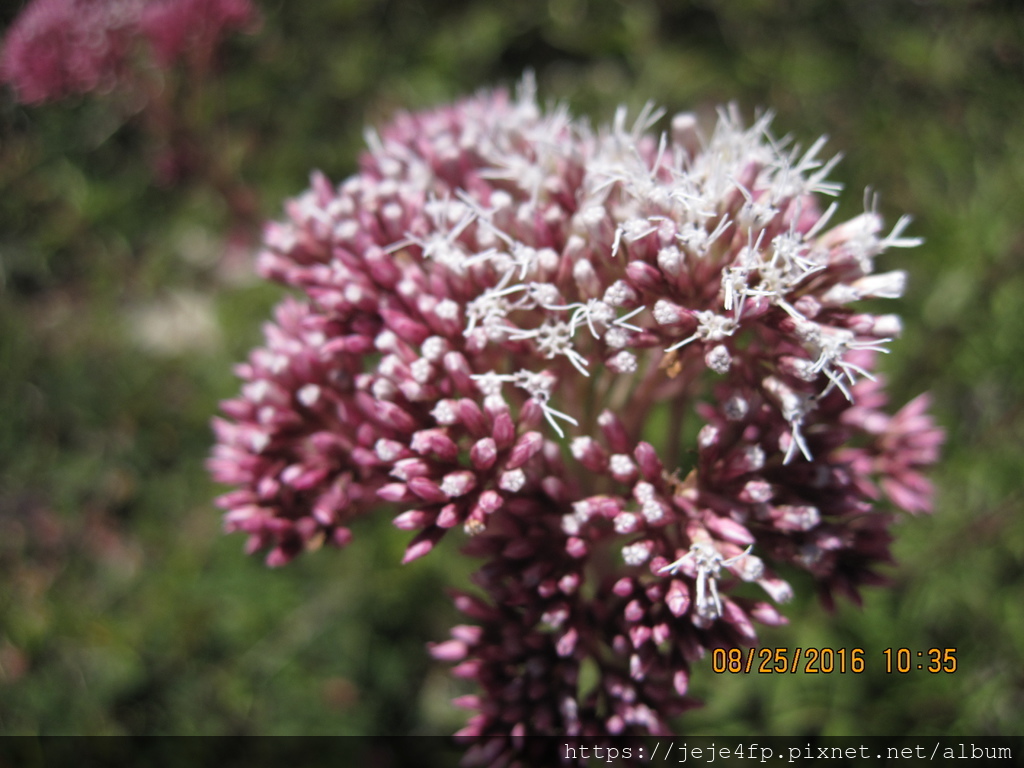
(509, 322)
(57, 48)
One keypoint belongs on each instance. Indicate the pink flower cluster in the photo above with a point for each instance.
(57, 48)
(179, 28)
(629, 366)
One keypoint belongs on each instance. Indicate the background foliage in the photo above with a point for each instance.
(123, 304)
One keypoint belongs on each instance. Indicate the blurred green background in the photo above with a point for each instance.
(124, 610)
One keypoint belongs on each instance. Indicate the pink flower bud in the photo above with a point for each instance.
(474, 607)
(634, 611)
(567, 643)
(681, 682)
(587, 451)
(576, 547)
(795, 518)
(469, 701)
(406, 469)
(456, 484)
(504, 431)
(767, 614)
(449, 516)
(381, 267)
(391, 415)
(421, 545)
(639, 635)
(449, 650)
(436, 443)
(643, 276)
(671, 315)
(614, 432)
(467, 633)
(647, 459)
(483, 454)
(395, 492)
(623, 587)
(414, 519)
(728, 529)
(678, 598)
(526, 447)
(531, 415)
(489, 502)
(427, 490)
(459, 370)
(467, 670)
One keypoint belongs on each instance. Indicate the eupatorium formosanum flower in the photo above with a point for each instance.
(57, 48)
(629, 368)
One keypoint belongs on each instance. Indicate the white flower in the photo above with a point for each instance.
(707, 562)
